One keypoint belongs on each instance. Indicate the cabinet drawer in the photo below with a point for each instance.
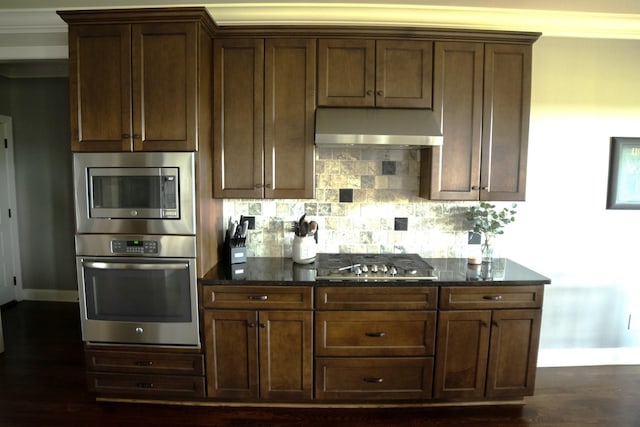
(374, 378)
(375, 333)
(258, 297)
(462, 298)
(146, 385)
(144, 362)
(376, 298)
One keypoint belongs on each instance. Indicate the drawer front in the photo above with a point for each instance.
(375, 333)
(144, 362)
(490, 297)
(374, 378)
(376, 298)
(160, 386)
(258, 297)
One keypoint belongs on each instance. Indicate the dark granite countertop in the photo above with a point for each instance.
(449, 271)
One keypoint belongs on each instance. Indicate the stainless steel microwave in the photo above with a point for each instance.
(145, 193)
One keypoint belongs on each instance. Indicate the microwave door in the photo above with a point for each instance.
(117, 193)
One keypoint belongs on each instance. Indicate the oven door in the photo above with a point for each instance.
(138, 300)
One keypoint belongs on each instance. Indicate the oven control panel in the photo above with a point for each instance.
(134, 246)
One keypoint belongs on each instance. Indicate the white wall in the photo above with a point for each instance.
(584, 92)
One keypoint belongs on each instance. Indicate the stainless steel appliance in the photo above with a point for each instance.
(142, 193)
(373, 267)
(138, 289)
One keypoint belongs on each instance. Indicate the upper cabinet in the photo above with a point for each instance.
(375, 73)
(264, 104)
(482, 95)
(134, 82)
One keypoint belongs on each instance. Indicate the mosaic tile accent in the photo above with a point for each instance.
(367, 224)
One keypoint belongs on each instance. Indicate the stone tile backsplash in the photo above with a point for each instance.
(382, 186)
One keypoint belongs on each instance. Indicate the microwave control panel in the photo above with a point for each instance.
(134, 246)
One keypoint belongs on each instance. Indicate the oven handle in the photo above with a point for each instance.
(121, 266)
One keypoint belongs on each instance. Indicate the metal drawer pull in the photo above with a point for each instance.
(144, 363)
(373, 380)
(258, 297)
(375, 334)
(144, 385)
(493, 297)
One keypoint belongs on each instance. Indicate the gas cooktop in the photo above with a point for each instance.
(373, 267)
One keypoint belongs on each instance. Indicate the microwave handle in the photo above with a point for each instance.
(121, 266)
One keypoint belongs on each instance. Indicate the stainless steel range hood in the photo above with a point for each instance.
(379, 127)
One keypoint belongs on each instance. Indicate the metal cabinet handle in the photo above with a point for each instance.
(144, 363)
(125, 136)
(375, 334)
(374, 380)
(369, 92)
(379, 93)
(136, 136)
(251, 325)
(262, 325)
(492, 297)
(475, 187)
(258, 297)
(144, 385)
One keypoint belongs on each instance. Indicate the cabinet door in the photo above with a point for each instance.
(404, 73)
(346, 73)
(461, 354)
(238, 104)
(100, 87)
(286, 357)
(513, 353)
(290, 82)
(164, 74)
(507, 98)
(452, 171)
(231, 340)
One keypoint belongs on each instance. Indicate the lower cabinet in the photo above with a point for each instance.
(140, 372)
(254, 352)
(377, 354)
(487, 353)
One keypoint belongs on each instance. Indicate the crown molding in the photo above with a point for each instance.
(550, 23)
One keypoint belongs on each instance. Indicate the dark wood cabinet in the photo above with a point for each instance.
(488, 353)
(381, 73)
(136, 371)
(255, 351)
(264, 103)
(482, 97)
(374, 343)
(135, 83)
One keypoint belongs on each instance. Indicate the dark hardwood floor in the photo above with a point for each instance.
(42, 384)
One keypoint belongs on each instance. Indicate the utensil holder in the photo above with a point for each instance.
(303, 250)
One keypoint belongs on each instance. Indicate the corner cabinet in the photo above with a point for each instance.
(482, 95)
(258, 342)
(375, 73)
(264, 105)
(487, 342)
(134, 80)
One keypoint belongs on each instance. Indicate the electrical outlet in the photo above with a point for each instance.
(252, 222)
(474, 238)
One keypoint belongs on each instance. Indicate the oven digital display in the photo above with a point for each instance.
(134, 246)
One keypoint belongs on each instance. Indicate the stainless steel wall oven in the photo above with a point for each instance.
(138, 289)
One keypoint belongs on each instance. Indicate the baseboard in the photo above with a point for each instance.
(49, 295)
(548, 358)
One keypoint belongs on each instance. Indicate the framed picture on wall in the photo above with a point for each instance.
(624, 174)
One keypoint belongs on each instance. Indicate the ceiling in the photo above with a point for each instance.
(33, 39)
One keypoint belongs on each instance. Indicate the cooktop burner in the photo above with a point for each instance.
(373, 267)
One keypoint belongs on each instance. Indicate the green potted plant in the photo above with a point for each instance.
(489, 222)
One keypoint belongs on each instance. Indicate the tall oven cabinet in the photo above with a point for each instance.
(137, 82)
